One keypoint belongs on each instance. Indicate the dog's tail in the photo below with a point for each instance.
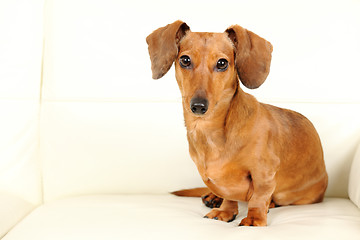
(193, 192)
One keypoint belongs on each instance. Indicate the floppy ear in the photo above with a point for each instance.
(163, 47)
(252, 56)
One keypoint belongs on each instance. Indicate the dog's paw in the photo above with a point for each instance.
(226, 216)
(251, 221)
(211, 200)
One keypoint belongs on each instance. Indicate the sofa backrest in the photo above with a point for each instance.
(107, 127)
(83, 115)
(140, 147)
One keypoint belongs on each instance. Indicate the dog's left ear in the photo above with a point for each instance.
(163, 47)
(252, 56)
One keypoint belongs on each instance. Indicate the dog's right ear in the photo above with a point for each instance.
(163, 47)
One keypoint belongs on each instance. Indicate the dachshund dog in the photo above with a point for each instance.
(244, 150)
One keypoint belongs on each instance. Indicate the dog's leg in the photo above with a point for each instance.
(227, 211)
(260, 201)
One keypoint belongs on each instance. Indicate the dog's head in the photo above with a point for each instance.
(207, 65)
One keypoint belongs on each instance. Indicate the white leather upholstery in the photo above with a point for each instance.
(21, 45)
(354, 179)
(12, 210)
(88, 135)
(169, 217)
(112, 147)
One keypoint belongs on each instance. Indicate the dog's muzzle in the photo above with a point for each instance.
(199, 106)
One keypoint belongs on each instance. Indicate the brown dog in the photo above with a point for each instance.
(244, 150)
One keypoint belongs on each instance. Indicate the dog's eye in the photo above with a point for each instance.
(185, 61)
(222, 64)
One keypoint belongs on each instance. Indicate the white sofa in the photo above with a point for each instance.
(90, 146)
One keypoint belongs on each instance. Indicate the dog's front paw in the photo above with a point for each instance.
(211, 200)
(251, 221)
(226, 216)
(255, 217)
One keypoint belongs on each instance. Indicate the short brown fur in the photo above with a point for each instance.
(244, 150)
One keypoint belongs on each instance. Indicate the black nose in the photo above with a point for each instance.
(199, 105)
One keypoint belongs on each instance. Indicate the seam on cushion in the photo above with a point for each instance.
(40, 161)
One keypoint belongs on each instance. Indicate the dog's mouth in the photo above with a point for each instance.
(199, 106)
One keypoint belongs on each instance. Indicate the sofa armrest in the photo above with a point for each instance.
(354, 179)
(12, 210)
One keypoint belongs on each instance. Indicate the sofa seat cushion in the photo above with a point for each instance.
(171, 217)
